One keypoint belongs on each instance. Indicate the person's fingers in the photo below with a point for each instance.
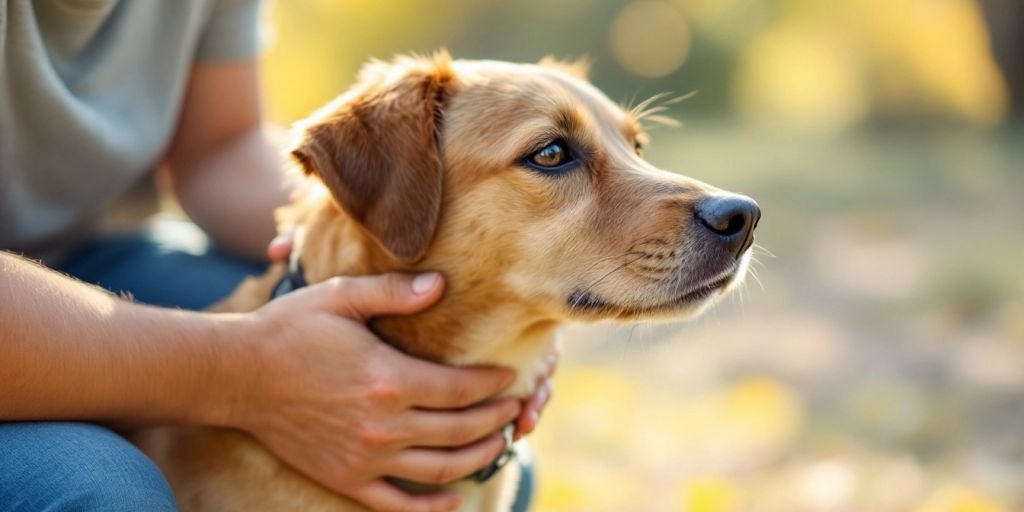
(459, 428)
(366, 296)
(551, 360)
(280, 247)
(535, 404)
(438, 467)
(530, 414)
(383, 496)
(434, 386)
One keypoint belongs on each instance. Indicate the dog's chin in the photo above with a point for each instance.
(682, 305)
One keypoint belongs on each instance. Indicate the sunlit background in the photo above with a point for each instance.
(877, 364)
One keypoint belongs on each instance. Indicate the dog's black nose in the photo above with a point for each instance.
(732, 218)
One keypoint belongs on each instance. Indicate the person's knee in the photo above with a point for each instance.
(103, 495)
(130, 485)
(75, 466)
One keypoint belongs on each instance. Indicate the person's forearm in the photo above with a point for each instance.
(72, 351)
(231, 193)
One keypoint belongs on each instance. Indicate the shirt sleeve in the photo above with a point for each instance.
(232, 31)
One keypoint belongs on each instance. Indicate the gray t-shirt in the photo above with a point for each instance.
(90, 92)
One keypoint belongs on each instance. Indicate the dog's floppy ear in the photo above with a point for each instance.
(377, 150)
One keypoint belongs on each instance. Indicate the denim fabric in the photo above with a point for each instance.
(168, 264)
(51, 467)
(82, 467)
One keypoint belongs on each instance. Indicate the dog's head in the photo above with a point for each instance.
(526, 187)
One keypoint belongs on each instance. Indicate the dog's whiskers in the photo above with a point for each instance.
(586, 290)
(753, 274)
(639, 108)
(606, 258)
(651, 108)
(764, 250)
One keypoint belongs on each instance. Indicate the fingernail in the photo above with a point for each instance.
(424, 282)
(508, 379)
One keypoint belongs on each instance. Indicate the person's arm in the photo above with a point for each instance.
(72, 351)
(302, 374)
(222, 166)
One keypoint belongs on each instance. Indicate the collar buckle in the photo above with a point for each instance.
(507, 455)
(293, 278)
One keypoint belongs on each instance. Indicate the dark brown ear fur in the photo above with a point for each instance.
(377, 150)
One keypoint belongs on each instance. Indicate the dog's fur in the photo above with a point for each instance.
(420, 167)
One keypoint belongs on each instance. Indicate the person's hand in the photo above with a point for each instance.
(535, 404)
(281, 246)
(346, 409)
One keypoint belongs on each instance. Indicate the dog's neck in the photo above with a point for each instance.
(466, 327)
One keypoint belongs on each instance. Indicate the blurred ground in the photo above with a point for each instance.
(879, 364)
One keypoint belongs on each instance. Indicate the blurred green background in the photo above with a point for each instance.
(879, 363)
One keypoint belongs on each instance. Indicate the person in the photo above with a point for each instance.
(95, 95)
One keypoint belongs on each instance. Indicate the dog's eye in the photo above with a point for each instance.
(554, 156)
(638, 147)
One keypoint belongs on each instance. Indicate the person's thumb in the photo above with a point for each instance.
(280, 247)
(394, 293)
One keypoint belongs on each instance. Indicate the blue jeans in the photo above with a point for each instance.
(64, 466)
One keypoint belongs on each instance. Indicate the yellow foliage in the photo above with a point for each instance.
(317, 46)
(763, 405)
(586, 487)
(817, 63)
(560, 492)
(959, 499)
(801, 73)
(829, 64)
(708, 494)
(608, 439)
(937, 50)
(755, 416)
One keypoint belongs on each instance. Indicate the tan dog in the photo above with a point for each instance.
(524, 186)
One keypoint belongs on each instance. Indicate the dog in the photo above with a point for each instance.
(525, 187)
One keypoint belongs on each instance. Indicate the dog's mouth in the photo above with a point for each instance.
(581, 301)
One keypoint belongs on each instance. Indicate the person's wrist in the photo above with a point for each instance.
(235, 362)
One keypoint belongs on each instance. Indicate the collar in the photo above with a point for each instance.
(294, 278)
(479, 477)
(507, 455)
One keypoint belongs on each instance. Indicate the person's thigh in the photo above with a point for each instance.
(167, 264)
(56, 466)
